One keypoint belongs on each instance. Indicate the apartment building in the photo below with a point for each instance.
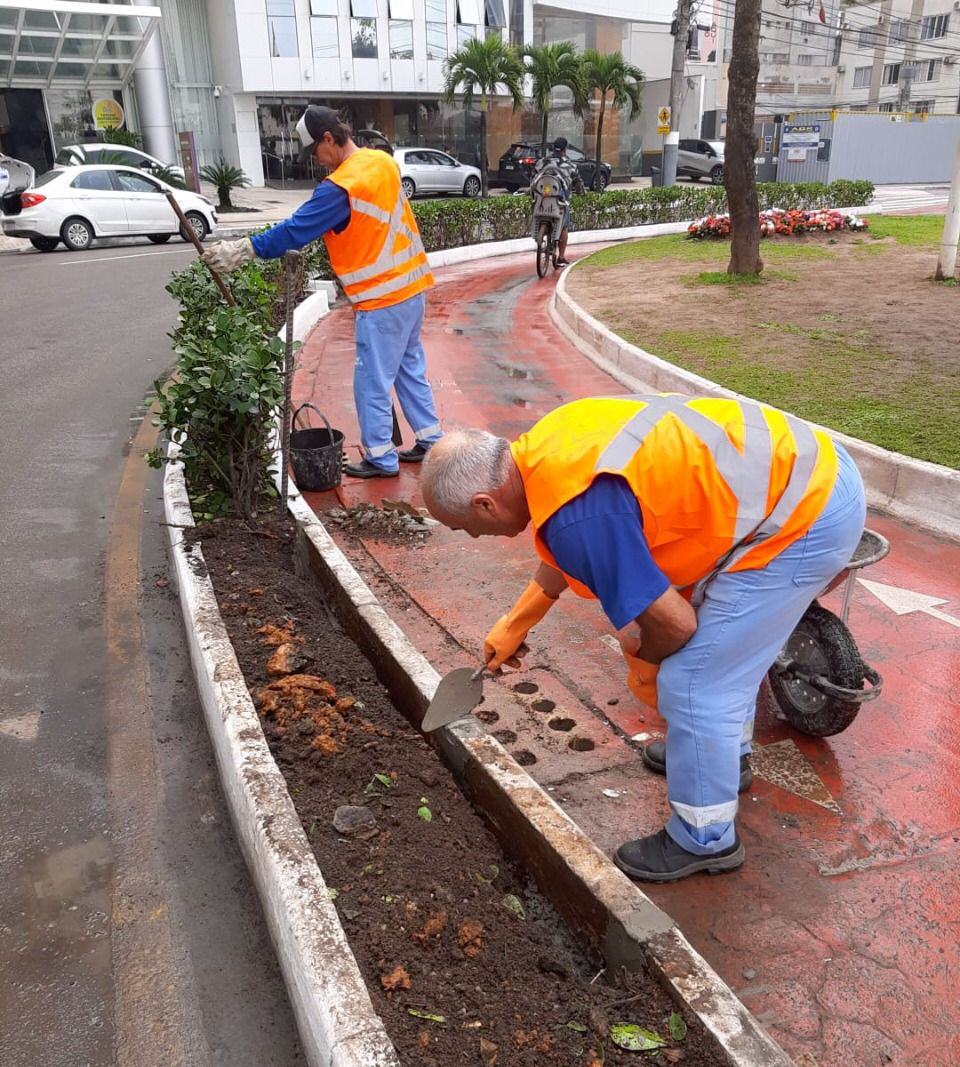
(900, 56)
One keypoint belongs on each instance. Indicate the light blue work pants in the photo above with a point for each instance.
(390, 356)
(707, 692)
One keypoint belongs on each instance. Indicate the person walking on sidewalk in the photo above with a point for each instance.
(705, 527)
(376, 252)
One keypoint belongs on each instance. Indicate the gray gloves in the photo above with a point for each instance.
(229, 255)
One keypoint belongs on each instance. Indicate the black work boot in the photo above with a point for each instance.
(654, 756)
(417, 454)
(363, 469)
(658, 858)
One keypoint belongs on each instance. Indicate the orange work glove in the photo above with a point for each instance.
(509, 633)
(642, 678)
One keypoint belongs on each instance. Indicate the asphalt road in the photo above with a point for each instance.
(130, 933)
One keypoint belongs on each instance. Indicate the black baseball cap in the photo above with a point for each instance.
(560, 144)
(314, 123)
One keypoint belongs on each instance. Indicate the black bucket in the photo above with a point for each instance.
(316, 455)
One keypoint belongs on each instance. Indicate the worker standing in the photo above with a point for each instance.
(376, 252)
(705, 527)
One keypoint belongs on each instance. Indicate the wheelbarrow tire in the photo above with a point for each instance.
(821, 644)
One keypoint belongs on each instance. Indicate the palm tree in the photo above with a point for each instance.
(610, 73)
(480, 66)
(552, 66)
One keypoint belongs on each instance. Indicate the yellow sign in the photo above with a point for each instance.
(663, 117)
(663, 130)
(107, 114)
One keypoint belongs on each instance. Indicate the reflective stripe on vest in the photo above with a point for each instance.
(387, 260)
(743, 472)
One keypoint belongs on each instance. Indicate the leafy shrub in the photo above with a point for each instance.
(221, 405)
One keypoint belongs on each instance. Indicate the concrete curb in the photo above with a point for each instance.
(334, 1013)
(922, 493)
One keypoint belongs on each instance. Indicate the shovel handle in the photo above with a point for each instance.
(195, 241)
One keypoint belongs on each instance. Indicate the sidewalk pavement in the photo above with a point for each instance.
(841, 931)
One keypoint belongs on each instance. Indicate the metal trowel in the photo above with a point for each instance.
(458, 693)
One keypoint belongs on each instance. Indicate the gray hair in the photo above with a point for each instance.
(469, 462)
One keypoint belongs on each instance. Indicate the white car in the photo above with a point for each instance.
(80, 204)
(118, 155)
(427, 170)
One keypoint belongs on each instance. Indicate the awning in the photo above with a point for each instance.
(46, 43)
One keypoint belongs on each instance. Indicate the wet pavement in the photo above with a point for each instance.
(842, 931)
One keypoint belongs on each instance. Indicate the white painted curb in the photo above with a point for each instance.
(926, 494)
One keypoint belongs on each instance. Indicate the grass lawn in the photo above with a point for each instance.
(847, 330)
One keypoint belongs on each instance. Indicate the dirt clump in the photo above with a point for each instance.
(395, 521)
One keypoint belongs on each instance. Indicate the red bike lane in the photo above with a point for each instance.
(842, 930)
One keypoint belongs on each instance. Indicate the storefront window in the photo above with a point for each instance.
(401, 40)
(364, 34)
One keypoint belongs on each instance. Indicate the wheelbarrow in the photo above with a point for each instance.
(819, 680)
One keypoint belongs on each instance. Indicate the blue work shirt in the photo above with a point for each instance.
(598, 539)
(328, 209)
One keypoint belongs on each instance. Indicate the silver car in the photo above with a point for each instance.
(427, 170)
(701, 159)
(76, 155)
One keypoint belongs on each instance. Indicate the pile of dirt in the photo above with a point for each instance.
(465, 961)
(395, 521)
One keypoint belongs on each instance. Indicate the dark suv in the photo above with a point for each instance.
(517, 163)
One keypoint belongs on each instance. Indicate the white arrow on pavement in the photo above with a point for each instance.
(904, 601)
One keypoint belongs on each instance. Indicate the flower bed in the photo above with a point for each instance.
(777, 222)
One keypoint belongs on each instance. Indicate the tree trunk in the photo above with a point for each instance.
(483, 145)
(603, 107)
(543, 130)
(740, 172)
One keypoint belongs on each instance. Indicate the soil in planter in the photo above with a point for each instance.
(465, 961)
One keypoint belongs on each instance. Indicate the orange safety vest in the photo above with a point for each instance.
(723, 485)
(378, 256)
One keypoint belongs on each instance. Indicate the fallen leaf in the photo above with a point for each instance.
(470, 938)
(423, 1038)
(257, 591)
(634, 1038)
(578, 1027)
(418, 1014)
(488, 1052)
(396, 979)
(677, 1026)
(513, 904)
(677, 1055)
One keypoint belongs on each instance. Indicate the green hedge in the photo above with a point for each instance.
(453, 223)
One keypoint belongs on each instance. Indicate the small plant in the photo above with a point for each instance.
(221, 406)
(168, 175)
(128, 138)
(226, 177)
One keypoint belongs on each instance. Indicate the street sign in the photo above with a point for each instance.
(663, 120)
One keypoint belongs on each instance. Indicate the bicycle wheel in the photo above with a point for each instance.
(543, 248)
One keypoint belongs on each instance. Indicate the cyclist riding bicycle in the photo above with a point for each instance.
(570, 182)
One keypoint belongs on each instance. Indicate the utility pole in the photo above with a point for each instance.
(947, 264)
(681, 32)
